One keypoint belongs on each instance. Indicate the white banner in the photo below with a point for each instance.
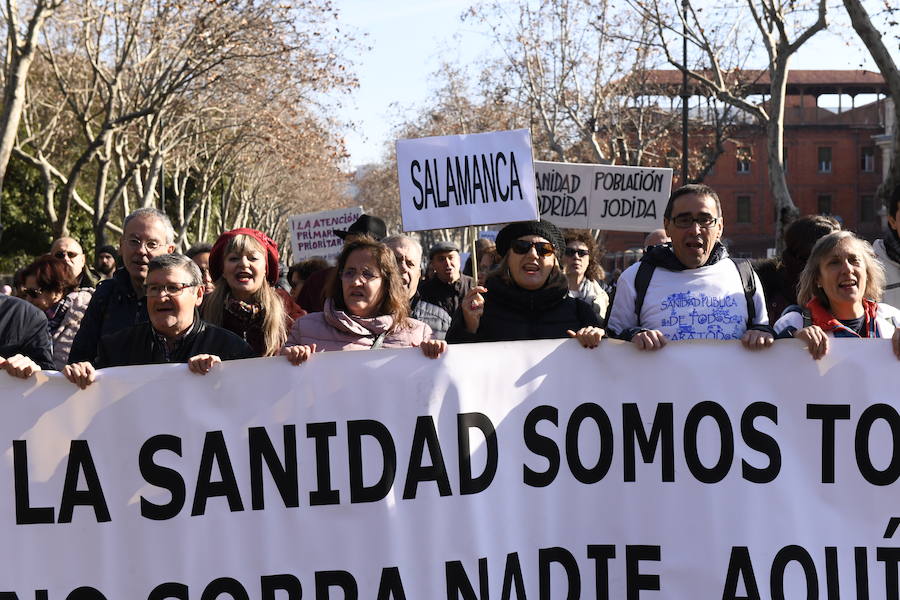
(702, 471)
(312, 234)
(610, 197)
(459, 180)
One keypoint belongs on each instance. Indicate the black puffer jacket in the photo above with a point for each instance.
(139, 345)
(114, 306)
(23, 330)
(513, 313)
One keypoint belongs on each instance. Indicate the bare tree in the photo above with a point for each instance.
(775, 23)
(874, 42)
(23, 31)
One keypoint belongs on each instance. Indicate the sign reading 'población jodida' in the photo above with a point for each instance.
(460, 180)
(611, 197)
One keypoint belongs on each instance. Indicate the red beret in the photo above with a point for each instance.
(217, 254)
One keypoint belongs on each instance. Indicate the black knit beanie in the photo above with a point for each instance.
(514, 231)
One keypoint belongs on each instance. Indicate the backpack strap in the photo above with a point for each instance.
(749, 284)
(641, 283)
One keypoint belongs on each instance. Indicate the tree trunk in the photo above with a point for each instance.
(873, 41)
(20, 59)
(785, 209)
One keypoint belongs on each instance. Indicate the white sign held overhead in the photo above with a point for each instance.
(312, 234)
(610, 197)
(461, 180)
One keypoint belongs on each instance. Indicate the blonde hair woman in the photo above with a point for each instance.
(244, 265)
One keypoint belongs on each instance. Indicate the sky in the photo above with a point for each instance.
(410, 40)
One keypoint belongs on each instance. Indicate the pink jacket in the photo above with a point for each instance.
(334, 329)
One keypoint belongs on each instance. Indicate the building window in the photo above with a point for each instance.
(744, 156)
(743, 209)
(824, 204)
(825, 159)
(868, 212)
(867, 160)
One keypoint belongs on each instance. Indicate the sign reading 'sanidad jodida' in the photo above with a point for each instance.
(610, 197)
(459, 180)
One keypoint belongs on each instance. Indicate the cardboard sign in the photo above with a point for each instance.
(610, 197)
(460, 180)
(312, 234)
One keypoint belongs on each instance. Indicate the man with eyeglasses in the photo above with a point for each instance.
(690, 288)
(447, 286)
(70, 251)
(119, 302)
(174, 333)
(409, 258)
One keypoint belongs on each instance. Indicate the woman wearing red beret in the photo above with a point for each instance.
(244, 265)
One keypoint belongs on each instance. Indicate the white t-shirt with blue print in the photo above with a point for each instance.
(707, 303)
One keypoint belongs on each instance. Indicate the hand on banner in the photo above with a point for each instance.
(473, 307)
(649, 340)
(81, 374)
(433, 348)
(816, 340)
(757, 340)
(588, 337)
(19, 366)
(298, 354)
(202, 363)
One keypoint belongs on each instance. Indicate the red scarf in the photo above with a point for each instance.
(822, 317)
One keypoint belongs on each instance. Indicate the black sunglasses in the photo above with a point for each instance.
(524, 247)
(573, 251)
(32, 292)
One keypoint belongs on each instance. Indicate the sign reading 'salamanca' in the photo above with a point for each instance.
(459, 180)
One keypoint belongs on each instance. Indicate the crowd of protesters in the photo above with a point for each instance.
(142, 303)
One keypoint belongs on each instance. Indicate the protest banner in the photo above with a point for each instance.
(312, 234)
(610, 197)
(461, 180)
(702, 471)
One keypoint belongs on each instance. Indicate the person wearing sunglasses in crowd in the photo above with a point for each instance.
(366, 308)
(70, 251)
(174, 333)
(49, 285)
(583, 272)
(119, 302)
(690, 289)
(527, 297)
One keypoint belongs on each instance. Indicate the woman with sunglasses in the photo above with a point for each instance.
(48, 284)
(583, 272)
(366, 308)
(527, 297)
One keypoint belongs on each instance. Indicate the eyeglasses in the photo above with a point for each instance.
(524, 247)
(170, 289)
(685, 221)
(150, 245)
(32, 292)
(573, 251)
(352, 274)
(62, 255)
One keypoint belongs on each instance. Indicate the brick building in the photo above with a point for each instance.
(834, 159)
